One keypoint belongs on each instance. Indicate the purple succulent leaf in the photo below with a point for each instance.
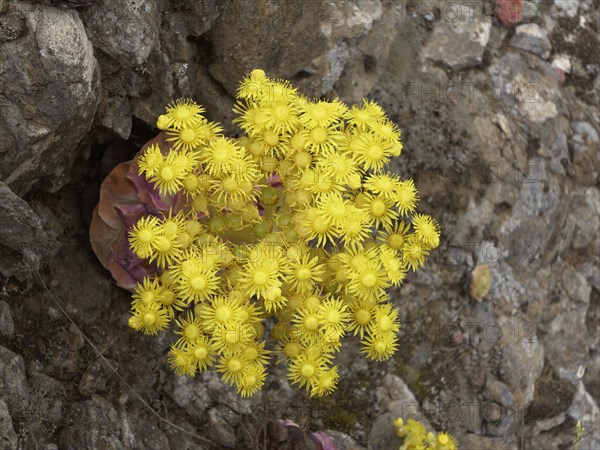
(322, 441)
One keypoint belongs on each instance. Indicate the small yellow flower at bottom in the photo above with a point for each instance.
(149, 318)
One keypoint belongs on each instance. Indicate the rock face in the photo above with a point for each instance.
(23, 241)
(460, 37)
(322, 36)
(48, 99)
(498, 104)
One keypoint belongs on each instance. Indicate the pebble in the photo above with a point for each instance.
(532, 38)
(459, 41)
(8, 437)
(14, 389)
(7, 326)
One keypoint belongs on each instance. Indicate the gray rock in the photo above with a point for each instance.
(498, 392)
(46, 399)
(114, 113)
(343, 441)
(473, 441)
(7, 326)
(14, 389)
(13, 25)
(585, 211)
(320, 37)
(62, 352)
(94, 378)
(396, 400)
(585, 409)
(127, 30)
(150, 437)
(585, 133)
(190, 394)
(532, 38)
(363, 70)
(459, 39)
(586, 158)
(565, 345)
(553, 144)
(79, 284)
(527, 88)
(221, 431)
(522, 361)
(23, 241)
(8, 437)
(91, 424)
(48, 100)
(565, 8)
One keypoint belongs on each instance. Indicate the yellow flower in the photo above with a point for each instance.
(221, 311)
(221, 156)
(188, 138)
(306, 369)
(427, 229)
(305, 274)
(296, 220)
(321, 113)
(143, 236)
(169, 174)
(380, 346)
(149, 318)
(181, 362)
(232, 368)
(372, 152)
(150, 160)
(201, 353)
(190, 329)
(253, 86)
(148, 291)
(406, 196)
(414, 252)
(252, 379)
(326, 383)
(182, 113)
(361, 317)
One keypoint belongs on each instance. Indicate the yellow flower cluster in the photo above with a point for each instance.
(416, 437)
(290, 234)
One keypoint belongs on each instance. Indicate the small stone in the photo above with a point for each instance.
(127, 30)
(509, 12)
(79, 283)
(7, 326)
(585, 133)
(12, 26)
(532, 38)
(585, 409)
(94, 378)
(14, 389)
(562, 62)
(522, 361)
(553, 144)
(498, 392)
(49, 98)
(23, 240)
(566, 7)
(222, 432)
(480, 282)
(459, 41)
(343, 441)
(8, 437)
(91, 423)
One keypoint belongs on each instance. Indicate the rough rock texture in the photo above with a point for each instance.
(459, 40)
(499, 117)
(23, 240)
(48, 97)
